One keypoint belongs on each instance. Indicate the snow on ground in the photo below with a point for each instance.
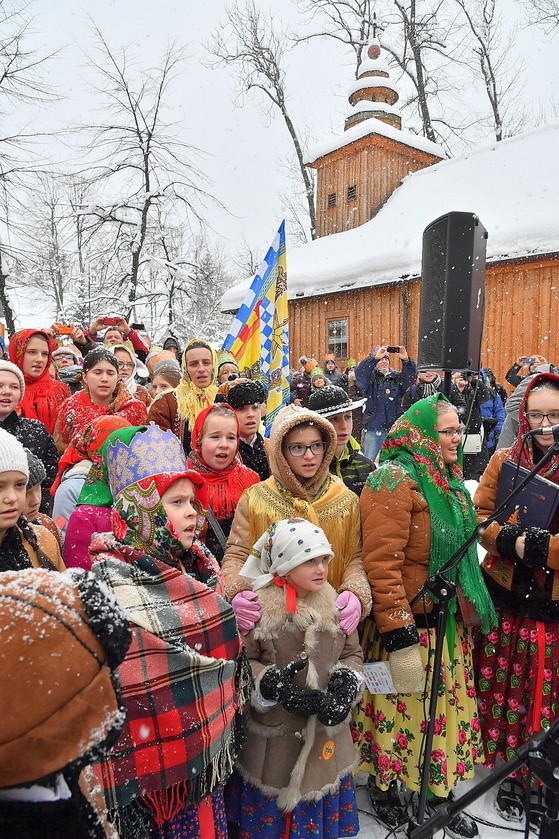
(490, 825)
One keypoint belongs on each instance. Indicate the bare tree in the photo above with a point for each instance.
(252, 44)
(139, 156)
(21, 82)
(493, 50)
(350, 22)
(544, 13)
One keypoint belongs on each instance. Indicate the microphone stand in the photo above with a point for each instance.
(444, 590)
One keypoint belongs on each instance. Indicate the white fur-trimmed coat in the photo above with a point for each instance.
(285, 755)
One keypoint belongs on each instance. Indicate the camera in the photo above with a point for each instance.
(528, 360)
(63, 328)
(393, 349)
(111, 321)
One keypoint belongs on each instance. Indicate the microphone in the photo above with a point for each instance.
(545, 429)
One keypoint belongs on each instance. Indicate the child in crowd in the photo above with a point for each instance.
(308, 674)
(22, 545)
(215, 442)
(185, 676)
(301, 447)
(248, 400)
(31, 512)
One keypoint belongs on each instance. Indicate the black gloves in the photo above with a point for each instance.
(278, 686)
(331, 707)
(340, 696)
(536, 547)
(506, 541)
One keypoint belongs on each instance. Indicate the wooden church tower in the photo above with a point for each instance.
(359, 171)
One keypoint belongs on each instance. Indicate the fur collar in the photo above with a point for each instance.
(315, 611)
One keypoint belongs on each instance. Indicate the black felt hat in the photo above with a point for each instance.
(247, 392)
(332, 400)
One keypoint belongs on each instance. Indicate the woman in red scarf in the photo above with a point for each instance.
(31, 351)
(102, 394)
(215, 443)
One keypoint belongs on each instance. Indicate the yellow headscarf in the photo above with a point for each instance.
(192, 399)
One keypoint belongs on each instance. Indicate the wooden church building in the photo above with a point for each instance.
(378, 186)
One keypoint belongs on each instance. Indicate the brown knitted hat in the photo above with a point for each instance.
(59, 638)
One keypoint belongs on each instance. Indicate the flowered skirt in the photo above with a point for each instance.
(206, 820)
(389, 730)
(517, 667)
(258, 815)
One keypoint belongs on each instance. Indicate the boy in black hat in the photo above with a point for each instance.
(247, 398)
(349, 463)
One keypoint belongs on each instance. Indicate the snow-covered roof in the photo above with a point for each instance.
(364, 106)
(364, 129)
(512, 186)
(371, 81)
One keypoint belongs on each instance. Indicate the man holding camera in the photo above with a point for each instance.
(528, 363)
(118, 330)
(383, 387)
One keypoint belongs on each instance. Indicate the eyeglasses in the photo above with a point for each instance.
(300, 450)
(536, 417)
(449, 433)
(125, 366)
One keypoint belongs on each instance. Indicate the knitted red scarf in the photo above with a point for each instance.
(225, 486)
(43, 395)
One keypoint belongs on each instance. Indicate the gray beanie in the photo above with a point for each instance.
(12, 454)
(12, 368)
(37, 471)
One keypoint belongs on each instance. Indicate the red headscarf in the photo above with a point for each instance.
(42, 395)
(225, 486)
(85, 445)
(526, 450)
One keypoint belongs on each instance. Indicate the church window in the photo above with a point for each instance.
(332, 199)
(352, 192)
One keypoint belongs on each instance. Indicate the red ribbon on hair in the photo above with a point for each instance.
(290, 593)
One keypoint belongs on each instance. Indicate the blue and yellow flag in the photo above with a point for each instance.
(259, 335)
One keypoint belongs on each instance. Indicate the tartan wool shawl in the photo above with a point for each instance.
(178, 684)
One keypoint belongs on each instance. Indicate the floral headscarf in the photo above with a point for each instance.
(526, 450)
(413, 443)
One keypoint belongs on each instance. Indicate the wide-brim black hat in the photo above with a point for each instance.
(332, 400)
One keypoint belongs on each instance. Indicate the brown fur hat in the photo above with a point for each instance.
(60, 638)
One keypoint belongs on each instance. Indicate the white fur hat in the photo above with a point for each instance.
(12, 454)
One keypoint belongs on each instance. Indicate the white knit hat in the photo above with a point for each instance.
(285, 545)
(12, 368)
(12, 454)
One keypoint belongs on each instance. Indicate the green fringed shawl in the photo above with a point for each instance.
(413, 443)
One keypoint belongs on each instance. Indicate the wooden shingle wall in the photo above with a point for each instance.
(521, 316)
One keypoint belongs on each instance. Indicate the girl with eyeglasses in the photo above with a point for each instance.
(518, 663)
(416, 513)
(127, 370)
(301, 447)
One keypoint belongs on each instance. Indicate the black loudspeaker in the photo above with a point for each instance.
(452, 293)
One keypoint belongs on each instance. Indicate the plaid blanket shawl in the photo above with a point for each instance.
(179, 686)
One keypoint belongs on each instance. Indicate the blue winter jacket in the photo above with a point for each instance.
(494, 408)
(384, 393)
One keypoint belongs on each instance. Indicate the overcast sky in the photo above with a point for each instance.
(244, 147)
